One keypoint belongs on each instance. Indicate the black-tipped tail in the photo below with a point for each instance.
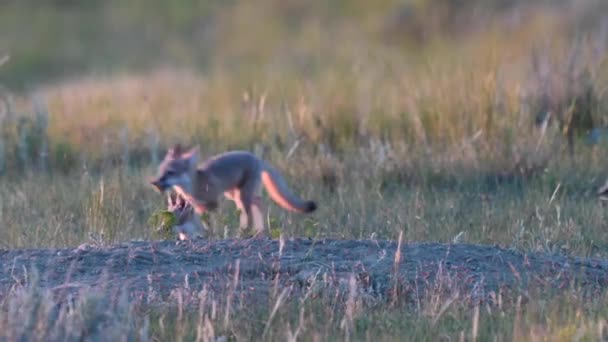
(311, 206)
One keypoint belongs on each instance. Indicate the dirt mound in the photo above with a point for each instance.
(263, 265)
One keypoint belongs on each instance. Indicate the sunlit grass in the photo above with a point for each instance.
(414, 118)
(34, 314)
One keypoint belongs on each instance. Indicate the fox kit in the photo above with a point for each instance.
(188, 225)
(238, 175)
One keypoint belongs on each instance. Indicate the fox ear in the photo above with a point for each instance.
(193, 150)
(192, 156)
(176, 150)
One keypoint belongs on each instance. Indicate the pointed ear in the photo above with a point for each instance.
(191, 156)
(176, 150)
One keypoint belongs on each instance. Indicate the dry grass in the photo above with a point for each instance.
(32, 313)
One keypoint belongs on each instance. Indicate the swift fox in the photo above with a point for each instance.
(188, 225)
(238, 175)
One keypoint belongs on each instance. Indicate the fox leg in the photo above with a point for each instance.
(250, 199)
(243, 215)
(257, 216)
(245, 206)
(235, 196)
(249, 204)
(252, 217)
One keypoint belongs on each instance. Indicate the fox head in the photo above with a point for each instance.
(176, 169)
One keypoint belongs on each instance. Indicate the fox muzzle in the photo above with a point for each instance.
(159, 184)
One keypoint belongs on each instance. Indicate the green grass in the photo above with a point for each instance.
(58, 211)
(552, 215)
(413, 117)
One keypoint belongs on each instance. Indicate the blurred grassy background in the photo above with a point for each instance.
(412, 74)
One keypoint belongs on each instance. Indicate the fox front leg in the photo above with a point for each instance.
(201, 208)
(235, 196)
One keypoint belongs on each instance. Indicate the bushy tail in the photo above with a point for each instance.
(280, 193)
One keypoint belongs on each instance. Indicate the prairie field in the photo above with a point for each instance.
(455, 150)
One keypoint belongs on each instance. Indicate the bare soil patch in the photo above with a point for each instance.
(263, 266)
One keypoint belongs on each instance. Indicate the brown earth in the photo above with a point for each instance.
(142, 267)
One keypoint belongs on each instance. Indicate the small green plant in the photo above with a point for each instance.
(161, 222)
(311, 228)
(274, 227)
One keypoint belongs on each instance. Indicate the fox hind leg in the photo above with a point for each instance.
(249, 202)
(249, 196)
(257, 216)
(251, 216)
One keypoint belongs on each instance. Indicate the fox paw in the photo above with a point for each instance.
(247, 233)
(260, 235)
